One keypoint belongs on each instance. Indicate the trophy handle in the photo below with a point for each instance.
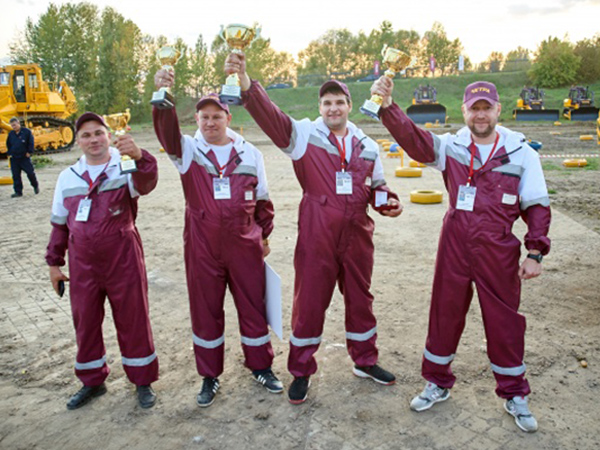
(221, 35)
(385, 47)
(257, 35)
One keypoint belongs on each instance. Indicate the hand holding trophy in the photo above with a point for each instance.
(168, 57)
(396, 62)
(118, 125)
(237, 37)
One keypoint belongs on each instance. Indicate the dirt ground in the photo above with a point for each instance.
(343, 412)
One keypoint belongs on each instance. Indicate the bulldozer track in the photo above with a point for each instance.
(52, 122)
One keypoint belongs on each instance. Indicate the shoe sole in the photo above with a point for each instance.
(147, 405)
(99, 393)
(279, 391)
(360, 374)
(206, 405)
(517, 421)
(299, 402)
(430, 405)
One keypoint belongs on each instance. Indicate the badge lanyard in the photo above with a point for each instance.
(472, 147)
(221, 169)
(91, 183)
(342, 150)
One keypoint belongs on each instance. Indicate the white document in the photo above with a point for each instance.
(273, 301)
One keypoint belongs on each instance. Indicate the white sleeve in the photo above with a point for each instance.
(188, 146)
(299, 139)
(59, 212)
(262, 188)
(532, 187)
(440, 144)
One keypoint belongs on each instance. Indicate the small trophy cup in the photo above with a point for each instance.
(396, 62)
(168, 57)
(118, 125)
(237, 37)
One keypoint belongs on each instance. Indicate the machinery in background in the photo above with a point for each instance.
(425, 107)
(580, 104)
(530, 106)
(39, 106)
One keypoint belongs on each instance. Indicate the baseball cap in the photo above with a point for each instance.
(337, 84)
(86, 117)
(480, 90)
(212, 98)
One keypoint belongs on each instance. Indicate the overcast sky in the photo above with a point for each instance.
(481, 26)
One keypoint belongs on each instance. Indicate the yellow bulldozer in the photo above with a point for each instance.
(40, 106)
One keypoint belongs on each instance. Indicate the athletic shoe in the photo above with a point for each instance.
(299, 390)
(375, 373)
(206, 396)
(36, 190)
(431, 395)
(268, 379)
(15, 195)
(518, 408)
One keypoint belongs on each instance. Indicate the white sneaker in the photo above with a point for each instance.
(518, 408)
(431, 395)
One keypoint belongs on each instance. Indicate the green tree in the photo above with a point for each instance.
(555, 64)
(335, 53)
(495, 62)
(517, 60)
(446, 52)
(203, 78)
(589, 52)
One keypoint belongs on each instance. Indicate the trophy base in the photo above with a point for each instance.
(128, 166)
(162, 100)
(370, 109)
(231, 95)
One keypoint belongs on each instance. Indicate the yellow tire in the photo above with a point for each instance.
(416, 164)
(161, 149)
(381, 141)
(555, 133)
(557, 124)
(426, 197)
(408, 172)
(586, 137)
(6, 180)
(575, 162)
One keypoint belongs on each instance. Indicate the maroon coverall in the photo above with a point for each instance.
(335, 233)
(222, 244)
(479, 247)
(106, 259)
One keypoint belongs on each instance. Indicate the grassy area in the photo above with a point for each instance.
(592, 164)
(303, 101)
(40, 161)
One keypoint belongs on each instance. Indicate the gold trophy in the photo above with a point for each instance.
(396, 62)
(118, 125)
(168, 57)
(238, 37)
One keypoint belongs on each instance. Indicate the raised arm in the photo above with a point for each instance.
(166, 124)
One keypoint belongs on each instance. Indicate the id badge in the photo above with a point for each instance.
(221, 188)
(83, 210)
(466, 197)
(343, 183)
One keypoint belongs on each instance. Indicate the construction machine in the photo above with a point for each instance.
(425, 107)
(580, 104)
(38, 105)
(530, 106)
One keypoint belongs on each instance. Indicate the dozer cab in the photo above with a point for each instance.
(530, 106)
(580, 104)
(425, 107)
(38, 105)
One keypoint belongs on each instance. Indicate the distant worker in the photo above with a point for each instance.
(493, 177)
(93, 215)
(20, 148)
(228, 220)
(340, 172)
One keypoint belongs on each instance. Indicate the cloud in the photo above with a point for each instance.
(562, 6)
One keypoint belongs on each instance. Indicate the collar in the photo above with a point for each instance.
(510, 140)
(81, 165)
(238, 140)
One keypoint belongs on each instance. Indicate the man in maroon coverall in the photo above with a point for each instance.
(228, 219)
(340, 172)
(493, 177)
(93, 214)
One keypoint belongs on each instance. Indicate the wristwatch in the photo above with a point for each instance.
(537, 258)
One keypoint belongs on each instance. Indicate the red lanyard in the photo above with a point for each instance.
(473, 148)
(91, 183)
(342, 150)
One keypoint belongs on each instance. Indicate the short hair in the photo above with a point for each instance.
(335, 90)
(14, 119)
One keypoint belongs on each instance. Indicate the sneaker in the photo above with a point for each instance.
(299, 390)
(375, 373)
(36, 190)
(85, 395)
(15, 195)
(268, 379)
(146, 396)
(431, 395)
(206, 396)
(519, 409)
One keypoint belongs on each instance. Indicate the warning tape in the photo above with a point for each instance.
(570, 155)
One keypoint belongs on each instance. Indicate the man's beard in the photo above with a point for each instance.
(485, 133)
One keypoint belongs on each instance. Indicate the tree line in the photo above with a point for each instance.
(110, 63)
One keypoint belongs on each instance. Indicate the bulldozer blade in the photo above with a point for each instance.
(589, 113)
(427, 113)
(522, 115)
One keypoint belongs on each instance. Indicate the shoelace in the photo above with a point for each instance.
(521, 410)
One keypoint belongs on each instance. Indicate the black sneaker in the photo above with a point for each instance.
(36, 190)
(299, 390)
(85, 395)
(268, 379)
(15, 195)
(206, 396)
(375, 373)
(146, 396)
